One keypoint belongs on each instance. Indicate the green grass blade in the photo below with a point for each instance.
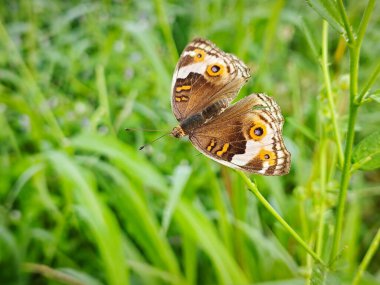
(199, 229)
(127, 157)
(328, 10)
(138, 218)
(179, 180)
(101, 222)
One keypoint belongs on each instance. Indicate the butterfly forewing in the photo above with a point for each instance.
(204, 75)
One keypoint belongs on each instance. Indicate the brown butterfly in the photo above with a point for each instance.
(246, 135)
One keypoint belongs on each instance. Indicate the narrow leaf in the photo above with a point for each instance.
(180, 178)
(327, 10)
(375, 96)
(367, 152)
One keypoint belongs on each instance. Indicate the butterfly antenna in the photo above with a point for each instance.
(160, 137)
(144, 130)
(148, 130)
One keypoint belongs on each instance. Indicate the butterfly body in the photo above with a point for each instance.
(195, 121)
(246, 135)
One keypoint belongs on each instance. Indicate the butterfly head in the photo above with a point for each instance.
(178, 132)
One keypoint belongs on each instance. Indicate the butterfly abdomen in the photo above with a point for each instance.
(188, 125)
(215, 109)
(193, 122)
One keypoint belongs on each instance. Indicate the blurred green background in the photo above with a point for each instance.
(80, 204)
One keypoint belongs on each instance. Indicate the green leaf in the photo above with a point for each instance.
(367, 153)
(194, 224)
(180, 177)
(312, 41)
(80, 276)
(127, 158)
(327, 10)
(104, 227)
(375, 96)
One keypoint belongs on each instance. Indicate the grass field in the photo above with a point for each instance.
(80, 204)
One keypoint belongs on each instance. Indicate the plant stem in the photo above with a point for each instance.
(367, 258)
(326, 75)
(322, 198)
(52, 274)
(355, 46)
(103, 96)
(33, 86)
(166, 29)
(253, 188)
(364, 21)
(346, 174)
(347, 26)
(368, 84)
(362, 29)
(344, 183)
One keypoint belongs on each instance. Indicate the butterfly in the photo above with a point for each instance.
(246, 135)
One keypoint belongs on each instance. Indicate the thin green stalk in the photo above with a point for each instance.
(346, 174)
(368, 84)
(103, 96)
(303, 217)
(367, 258)
(10, 133)
(51, 274)
(364, 21)
(353, 112)
(47, 114)
(361, 32)
(253, 188)
(322, 200)
(166, 30)
(270, 34)
(347, 26)
(330, 99)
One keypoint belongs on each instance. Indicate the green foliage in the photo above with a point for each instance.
(328, 10)
(80, 204)
(367, 152)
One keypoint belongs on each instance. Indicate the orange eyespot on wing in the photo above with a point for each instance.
(257, 131)
(215, 69)
(199, 55)
(269, 156)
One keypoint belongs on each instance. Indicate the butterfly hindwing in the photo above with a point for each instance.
(246, 136)
(204, 75)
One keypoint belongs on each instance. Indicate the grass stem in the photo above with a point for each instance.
(361, 32)
(103, 96)
(327, 79)
(166, 29)
(367, 258)
(253, 188)
(346, 173)
(365, 20)
(52, 274)
(347, 25)
(368, 84)
(322, 196)
(32, 84)
(354, 49)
